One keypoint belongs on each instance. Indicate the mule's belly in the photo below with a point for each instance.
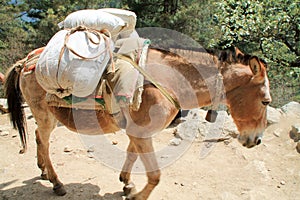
(91, 122)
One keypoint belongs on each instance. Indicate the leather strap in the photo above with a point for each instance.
(151, 79)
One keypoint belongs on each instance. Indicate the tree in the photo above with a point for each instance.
(191, 17)
(13, 35)
(270, 28)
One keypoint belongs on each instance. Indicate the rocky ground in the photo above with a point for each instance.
(199, 160)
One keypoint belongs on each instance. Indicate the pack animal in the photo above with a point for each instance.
(246, 95)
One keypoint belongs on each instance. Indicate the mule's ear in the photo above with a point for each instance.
(238, 52)
(255, 65)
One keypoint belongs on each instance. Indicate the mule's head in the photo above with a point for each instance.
(248, 99)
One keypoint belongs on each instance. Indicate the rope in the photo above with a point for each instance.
(103, 34)
(219, 93)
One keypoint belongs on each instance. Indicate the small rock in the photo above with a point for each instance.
(175, 141)
(114, 142)
(91, 149)
(3, 106)
(282, 182)
(298, 147)
(164, 156)
(90, 155)
(67, 149)
(295, 132)
(60, 164)
(227, 142)
(277, 132)
(4, 133)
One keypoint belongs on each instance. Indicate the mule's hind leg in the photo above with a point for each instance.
(145, 150)
(43, 144)
(34, 95)
(45, 127)
(127, 167)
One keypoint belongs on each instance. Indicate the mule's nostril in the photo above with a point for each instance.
(258, 141)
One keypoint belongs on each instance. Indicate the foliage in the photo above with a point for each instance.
(13, 34)
(191, 17)
(270, 28)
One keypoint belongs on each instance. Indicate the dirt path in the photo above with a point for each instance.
(230, 171)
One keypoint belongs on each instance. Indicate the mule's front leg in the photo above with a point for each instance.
(145, 150)
(127, 167)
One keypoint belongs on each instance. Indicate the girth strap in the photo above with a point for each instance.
(149, 78)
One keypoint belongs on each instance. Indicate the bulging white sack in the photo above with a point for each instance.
(68, 73)
(127, 16)
(95, 19)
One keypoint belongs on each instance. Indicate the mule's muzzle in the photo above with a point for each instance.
(249, 143)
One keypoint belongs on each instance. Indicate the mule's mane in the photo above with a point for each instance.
(207, 56)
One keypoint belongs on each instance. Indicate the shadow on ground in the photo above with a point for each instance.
(34, 189)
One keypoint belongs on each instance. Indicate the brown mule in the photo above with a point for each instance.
(193, 85)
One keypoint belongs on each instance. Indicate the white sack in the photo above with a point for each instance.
(95, 19)
(127, 16)
(74, 75)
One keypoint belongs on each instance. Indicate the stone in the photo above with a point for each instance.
(3, 106)
(188, 130)
(4, 133)
(273, 115)
(175, 141)
(91, 149)
(282, 182)
(291, 108)
(277, 132)
(230, 128)
(298, 147)
(67, 149)
(295, 132)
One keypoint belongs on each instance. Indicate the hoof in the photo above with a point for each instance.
(44, 176)
(59, 190)
(129, 189)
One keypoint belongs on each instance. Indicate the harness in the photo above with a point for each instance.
(32, 58)
(151, 79)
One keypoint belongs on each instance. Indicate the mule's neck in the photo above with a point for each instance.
(192, 84)
(193, 80)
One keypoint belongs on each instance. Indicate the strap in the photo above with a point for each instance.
(144, 73)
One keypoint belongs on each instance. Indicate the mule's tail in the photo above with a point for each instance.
(15, 101)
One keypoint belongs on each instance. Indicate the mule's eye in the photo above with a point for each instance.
(265, 103)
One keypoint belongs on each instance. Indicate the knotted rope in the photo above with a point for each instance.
(103, 34)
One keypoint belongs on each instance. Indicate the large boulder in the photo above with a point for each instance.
(292, 108)
(273, 115)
